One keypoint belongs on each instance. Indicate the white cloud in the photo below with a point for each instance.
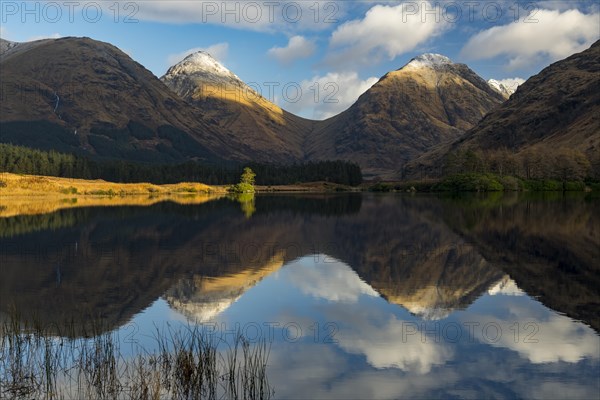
(384, 340)
(40, 37)
(328, 95)
(3, 33)
(554, 36)
(279, 16)
(385, 31)
(298, 47)
(558, 339)
(217, 51)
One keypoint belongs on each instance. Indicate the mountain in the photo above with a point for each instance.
(557, 108)
(506, 87)
(6, 45)
(234, 106)
(82, 95)
(428, 101)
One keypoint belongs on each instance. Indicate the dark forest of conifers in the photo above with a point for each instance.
(24, 160)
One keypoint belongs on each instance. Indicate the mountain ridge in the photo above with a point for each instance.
(374, 133)
(208, 113)
(200, 110)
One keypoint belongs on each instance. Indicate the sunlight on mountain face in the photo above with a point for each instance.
(243, 96)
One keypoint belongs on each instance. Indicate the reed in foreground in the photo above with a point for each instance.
(179, 363)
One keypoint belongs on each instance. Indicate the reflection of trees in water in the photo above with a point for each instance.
(247, 203)
(23, 224)
(319, 204)
(548, 243)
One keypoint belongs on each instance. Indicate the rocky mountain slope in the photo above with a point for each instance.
(558, 107)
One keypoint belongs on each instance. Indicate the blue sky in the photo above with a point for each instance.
(312, 57)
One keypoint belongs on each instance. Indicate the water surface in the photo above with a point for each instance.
(358, 296)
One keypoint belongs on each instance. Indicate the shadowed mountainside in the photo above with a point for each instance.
(550, 248)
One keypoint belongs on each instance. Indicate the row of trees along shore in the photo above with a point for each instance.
(24, 160)
(563, 164)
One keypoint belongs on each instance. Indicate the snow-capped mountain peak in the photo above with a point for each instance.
(202, 63)
(429, 60)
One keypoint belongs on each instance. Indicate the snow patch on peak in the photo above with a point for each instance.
(429, 60)
(506, 86)
(201, 63)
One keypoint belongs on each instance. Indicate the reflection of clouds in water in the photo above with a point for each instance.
(321, 371)
(333, 281)
(309, 370)
(380, 341)
(384, 340)
(389, 345)
(540, 337)
(559, 339)
(561, 390)
(372, 359)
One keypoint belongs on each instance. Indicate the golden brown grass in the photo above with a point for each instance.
(34, 194)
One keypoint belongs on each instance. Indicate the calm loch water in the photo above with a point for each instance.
(357, 296)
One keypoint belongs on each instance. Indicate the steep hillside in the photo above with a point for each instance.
(557, 108)
(427, 102)
(237, 108)
(78, 94)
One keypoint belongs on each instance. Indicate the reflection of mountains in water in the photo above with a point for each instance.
(114, 263)
(201, 299)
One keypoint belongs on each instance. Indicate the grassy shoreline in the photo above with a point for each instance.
(22, 194)
(39, 185)
(36, 194)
